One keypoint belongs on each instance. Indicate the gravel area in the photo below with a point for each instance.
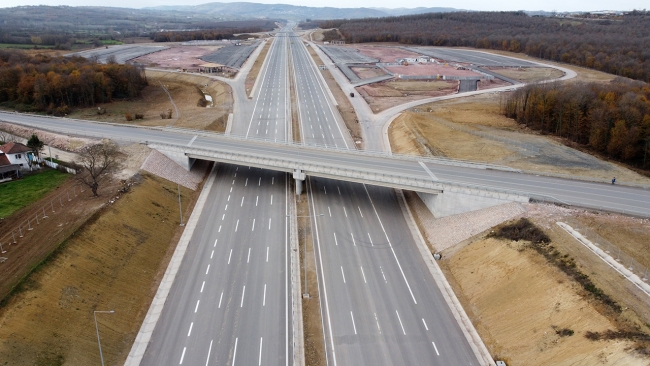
(347, 55)
(162, 166)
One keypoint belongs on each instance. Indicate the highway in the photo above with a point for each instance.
(230, 303)
(379, 302)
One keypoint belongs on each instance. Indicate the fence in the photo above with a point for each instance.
(15, 234)
(54, 165)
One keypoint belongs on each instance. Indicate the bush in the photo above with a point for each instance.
(139, 116)
(564, 332)
(128, 116)
(523, 230)
(202, 102)
(163, 115)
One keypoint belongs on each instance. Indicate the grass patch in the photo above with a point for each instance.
(22, 46)
(20, 193)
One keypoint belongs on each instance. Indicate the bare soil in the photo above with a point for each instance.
(517, 302)
(528, 74)
(368, 72)
(185, 90)
(385, 54)
(344, 106)
(430, 69)
(253, 73)
(113, 263)
(383, 95)
(474, 129)
(177, 57)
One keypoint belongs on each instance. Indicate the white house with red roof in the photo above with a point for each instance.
(15, 157)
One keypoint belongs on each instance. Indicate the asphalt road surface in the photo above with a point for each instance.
(230, 304)
(231, 55)
(471, 57)
(121, 53)
(380, 303)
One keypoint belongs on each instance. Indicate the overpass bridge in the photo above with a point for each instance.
(449, 185)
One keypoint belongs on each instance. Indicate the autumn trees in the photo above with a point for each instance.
(612, 119)
(56, 84)
(617, 46)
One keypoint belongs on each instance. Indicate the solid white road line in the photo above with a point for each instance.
(234, 353)
(353, 325)
(182, 356)
(436, 348)
(243, 292)
(230, 255)
(264, 298)
(207, 360)
(190, 331)
(377, 321)
(364, 275)
(220, 298)
(260, 358)
(400, 322)
(197, 305)
(342, 273)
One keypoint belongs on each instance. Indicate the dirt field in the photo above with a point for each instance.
(385, 54)
(429, 69)
(528, 74)
(517, 302)
(177, 57)
(474, 129)
(185, 90)
(383, 95)
(344, 106)
(489, 84)
(110, 264)
(367, 72)
(257, 66)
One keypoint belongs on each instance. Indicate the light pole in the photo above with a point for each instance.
(306, 294)
(101, 356)
(180, 207)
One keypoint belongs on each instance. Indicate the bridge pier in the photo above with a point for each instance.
(299, 176)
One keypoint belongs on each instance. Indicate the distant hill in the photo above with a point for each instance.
(292, 12)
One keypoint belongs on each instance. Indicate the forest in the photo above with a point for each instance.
(610, 119)
(57, 84)
(210, 34)
(618, 46)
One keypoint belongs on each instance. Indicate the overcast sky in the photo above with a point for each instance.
(558, 5)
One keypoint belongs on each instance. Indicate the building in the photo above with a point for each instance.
(18, 154)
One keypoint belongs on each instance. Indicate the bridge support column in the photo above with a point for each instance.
(299, 176)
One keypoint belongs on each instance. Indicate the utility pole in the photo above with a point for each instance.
(180, 208)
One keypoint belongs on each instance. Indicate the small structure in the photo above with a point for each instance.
(8, 171)
(211, 68)
(338, 42)
(19, 154)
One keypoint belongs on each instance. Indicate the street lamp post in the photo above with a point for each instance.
(101, 356)
(306, 294)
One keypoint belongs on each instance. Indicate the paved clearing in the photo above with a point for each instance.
(121, 53)
(467, 56)
(386, 54)
(380, 96)
(528, 74)
(231, 55)
(347, 55)
(177, 57)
